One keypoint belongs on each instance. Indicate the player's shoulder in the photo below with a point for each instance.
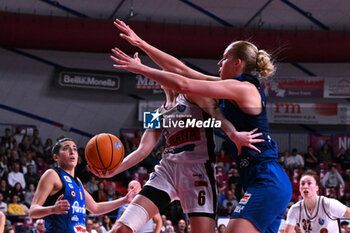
(50, 174)
(296, 206)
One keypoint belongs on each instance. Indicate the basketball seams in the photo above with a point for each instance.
(98, 153)
(112, 154)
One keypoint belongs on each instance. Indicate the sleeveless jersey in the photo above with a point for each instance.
(325, 217)
(185, 142)
(246, 122)
(74, 221)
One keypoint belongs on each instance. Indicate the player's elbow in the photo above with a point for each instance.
(182, 87)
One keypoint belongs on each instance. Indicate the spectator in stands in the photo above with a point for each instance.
(343, 157)
(18, 190)
(11, 143)
(325, 154)
(25, 145)
(47, 148)
(345, 199)
(4, 189)
(235, 179)
(221, 228)
(6, 137)
(35, 136)
(90, 226)
(29, 194)
(111, 192)
(18, 136)
(37, 147)
(169, 229)
(10, 229)
(311, 160)
(39, 226)
(181, 226)
(96, 226)
(332, 178)
(227, 212)
(136, 140)
(230, 198)
(3, 165)
(106, 224)
(16, 176)
(31, 177)
(224, 159)
(91, 185)
(294, 161)
(15, 208)
(100, 194)
(3, 205)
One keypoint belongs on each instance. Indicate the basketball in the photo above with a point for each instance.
(104, 152)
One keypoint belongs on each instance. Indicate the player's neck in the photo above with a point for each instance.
(310, 203)
(70, 171)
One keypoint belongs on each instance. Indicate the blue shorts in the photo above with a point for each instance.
(266, 198)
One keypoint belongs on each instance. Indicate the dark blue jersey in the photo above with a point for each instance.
(246, 122)
(74, 221)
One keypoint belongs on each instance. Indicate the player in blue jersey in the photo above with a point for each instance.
(266, 185)
(61, 198)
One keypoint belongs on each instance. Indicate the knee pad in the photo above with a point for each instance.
(134, 217)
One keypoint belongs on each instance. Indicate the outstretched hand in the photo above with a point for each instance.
(130, 195)
(61, 206)
(128, 34)
(126, 62)
(100, 174)
(245, 139)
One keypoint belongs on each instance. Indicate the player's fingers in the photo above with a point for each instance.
(254, 148)
(121, 52)
(256, 135)
(257, 140)
(136, 55)
(118, 60)
(60, 197)
(254, 130)
(120, 67)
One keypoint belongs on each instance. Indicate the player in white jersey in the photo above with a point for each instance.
(186, 171)
(314, 213)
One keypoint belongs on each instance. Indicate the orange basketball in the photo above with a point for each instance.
(104, 152)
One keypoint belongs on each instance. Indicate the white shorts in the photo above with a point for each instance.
(191, 183)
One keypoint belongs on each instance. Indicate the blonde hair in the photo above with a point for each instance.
(257, 61)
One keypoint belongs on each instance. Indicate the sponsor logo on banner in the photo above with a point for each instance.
(82, 79)
(143, 82)
(293, 87)
(337, 88)
(303, 113)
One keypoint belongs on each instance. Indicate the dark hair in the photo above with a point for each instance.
(311, 173)
(57, 146)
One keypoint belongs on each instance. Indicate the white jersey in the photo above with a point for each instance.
(185, 143)
(325, 217)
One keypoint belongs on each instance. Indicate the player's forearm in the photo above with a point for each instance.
(108, 206)
(37, 211)
(162, 59)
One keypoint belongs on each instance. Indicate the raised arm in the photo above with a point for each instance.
(244, 94)
(148, 141)
(162, 59)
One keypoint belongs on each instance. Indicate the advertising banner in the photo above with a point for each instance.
(293, 87)
(337, 87)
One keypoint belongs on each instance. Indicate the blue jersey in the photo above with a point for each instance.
(266, 185)
(246, 122)
(74, 221)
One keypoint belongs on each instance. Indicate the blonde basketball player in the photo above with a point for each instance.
(314, 213)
